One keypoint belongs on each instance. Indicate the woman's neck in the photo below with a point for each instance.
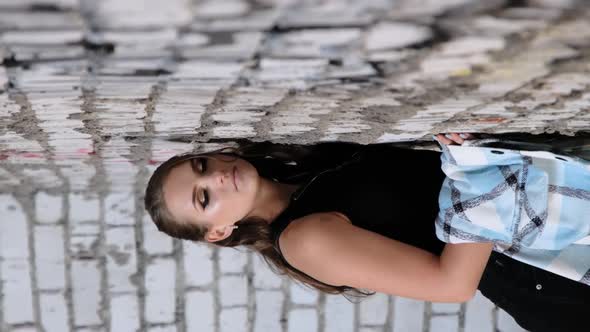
(272, 199)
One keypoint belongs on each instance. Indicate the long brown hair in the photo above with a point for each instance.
(284, 163)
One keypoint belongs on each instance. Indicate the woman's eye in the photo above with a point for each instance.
(203, 164)
(205, 199)
(205, 193)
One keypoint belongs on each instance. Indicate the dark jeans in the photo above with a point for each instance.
(537, 299)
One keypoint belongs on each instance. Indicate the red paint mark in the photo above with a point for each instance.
(152, 162)
(86, 151)
(31, 155)
(21, 154)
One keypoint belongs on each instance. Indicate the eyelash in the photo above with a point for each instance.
(203, 163)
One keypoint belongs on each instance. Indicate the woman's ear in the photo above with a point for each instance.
(219, 233)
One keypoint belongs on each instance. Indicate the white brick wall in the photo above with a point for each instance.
(124, 313)
(198, 267)
(373, 309)
(87, 125)
(233, 320)
(408, 314)
(54, 314)
(48, 208)
(49, 257)
(233, 290)
(160, 283)
(479, 314)
(232, 260)
(121, 259)
(339, 313)
(17, 293)
(119, 208)
(264, 278)
(200, 312)
(154, 241)
(303, 320)
(444, 323)
(303, 295)
(86, 292)
(268, 311)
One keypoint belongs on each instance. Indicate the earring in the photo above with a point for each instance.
(234, 227)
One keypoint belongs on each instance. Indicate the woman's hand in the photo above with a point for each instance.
(453, 138)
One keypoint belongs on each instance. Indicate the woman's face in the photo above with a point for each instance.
(214, 191)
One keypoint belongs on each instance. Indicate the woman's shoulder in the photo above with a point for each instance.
(309, 229)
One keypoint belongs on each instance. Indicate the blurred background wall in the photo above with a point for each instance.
(95, 94)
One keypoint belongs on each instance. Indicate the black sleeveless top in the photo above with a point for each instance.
(384, 189)
(394, 192)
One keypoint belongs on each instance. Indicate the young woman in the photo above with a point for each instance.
(343, 217)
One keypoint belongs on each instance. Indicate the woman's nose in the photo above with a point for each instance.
(221, 178)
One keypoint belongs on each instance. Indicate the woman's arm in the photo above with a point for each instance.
(329, 248)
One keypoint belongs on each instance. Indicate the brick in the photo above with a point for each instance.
(379, 35)
(444, 323)
(198, 268)
(54, 314)
(117, 15)
(339, 314)
(17, 300)
(119, 208)
(232, 260)
(479, 314)
(312, 43)
(48, 208)
(86, 295)
(446, 307)
(302, 295)
(408, 314)
(160, 282)
(233, 320)
(268, 311)
(472, 44)
(83, 208)
(154, 241)
(121, 258)
(13, 229)
(233, 290)
(124, 313)
(49, 257)
(199, 313)
(264, 278)
(303, 320)
(373, 310)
